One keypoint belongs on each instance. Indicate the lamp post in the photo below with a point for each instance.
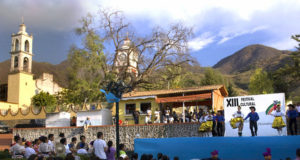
(116, 90)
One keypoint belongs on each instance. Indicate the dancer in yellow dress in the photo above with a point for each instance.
(202, 120)
(237, 121)
(209, 123)
(278, 122)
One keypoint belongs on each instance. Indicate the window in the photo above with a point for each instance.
(25, 64)
(129, 108)
(16, 61)
(17, 45)
(145, 107)
(26, 46)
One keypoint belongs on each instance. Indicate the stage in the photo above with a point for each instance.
(230, 148)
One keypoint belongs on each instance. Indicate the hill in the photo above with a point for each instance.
(59, 71)
(252, 57)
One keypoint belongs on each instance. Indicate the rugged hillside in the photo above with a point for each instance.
(252, 57)
(59, 71)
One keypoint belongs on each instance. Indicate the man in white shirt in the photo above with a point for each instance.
(29, 150)
(51, 142)
(157, 116)
(100, 146)
(149, 112)
(44, 147)
(17, 150)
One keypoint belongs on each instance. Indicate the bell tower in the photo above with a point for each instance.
(21, 86)
(21, 51)
(128, 57)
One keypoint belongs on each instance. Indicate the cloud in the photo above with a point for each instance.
(228, 34)
(45, 15)
(284, 44)
(200, 42)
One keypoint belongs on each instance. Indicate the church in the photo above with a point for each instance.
(21, 86)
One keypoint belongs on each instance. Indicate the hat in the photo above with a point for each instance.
(252, 107)
(268, 153)
(28, 143)
(215, 152)
(291, 105)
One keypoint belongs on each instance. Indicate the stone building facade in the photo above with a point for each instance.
(46, 84)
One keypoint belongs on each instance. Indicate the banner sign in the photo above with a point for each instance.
(265, 105)
(61, 119)
(97, 118)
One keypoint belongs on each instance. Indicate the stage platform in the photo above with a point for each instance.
(230, 148)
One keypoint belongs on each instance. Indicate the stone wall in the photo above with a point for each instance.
(127, 133)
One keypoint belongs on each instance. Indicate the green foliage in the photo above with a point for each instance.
(260, 83)
(231, 91)
(44, 99)
(87, 68)
(287, 78)
(212, 77)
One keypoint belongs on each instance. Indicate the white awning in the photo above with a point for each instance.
(134, 98)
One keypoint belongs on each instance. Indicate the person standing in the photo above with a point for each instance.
(202, 127)
(157, 116)
(29, 150)
(209, 123)
(44, 147)
(220, 123)
(149, 112)
(111, 151)
(147, 119)
(82, 143)
(72, 145)
(292, 117)
(238, 120)
(168, 113)
(51, 142)
(214, 126)
(135, 115)
(278, 122)
(86, 124)
(100, 146)
(253, 120)
(17, 150)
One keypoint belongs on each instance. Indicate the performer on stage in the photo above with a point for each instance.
(278, 122)
(202, 120)
(253, 120)
(209, 123)
(220, 123)
(292, 117)
(237, 121)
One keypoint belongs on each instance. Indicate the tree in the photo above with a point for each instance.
(44, 99)
(287, 78)
(231, 91)
(91, 68)
(260, 83)
(211, 77)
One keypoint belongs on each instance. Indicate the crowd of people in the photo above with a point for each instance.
(47, 148)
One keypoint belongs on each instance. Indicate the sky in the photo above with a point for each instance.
(221, 27)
